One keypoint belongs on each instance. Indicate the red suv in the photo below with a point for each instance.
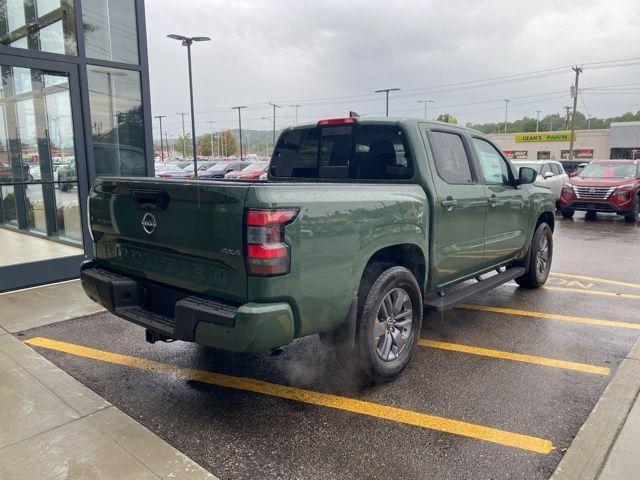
(604, 186)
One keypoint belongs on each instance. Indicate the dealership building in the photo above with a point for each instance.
(621, 140)
(74, 105)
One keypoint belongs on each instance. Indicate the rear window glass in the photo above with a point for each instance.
(451, 158)
(366, 152)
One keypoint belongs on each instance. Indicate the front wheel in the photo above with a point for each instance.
(540, 256)
(632, 216)
(567, 212)
(389, 323)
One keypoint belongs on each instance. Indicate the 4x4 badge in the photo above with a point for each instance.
(149, 223)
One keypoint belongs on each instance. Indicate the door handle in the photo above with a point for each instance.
(493, 200)
(449, 203)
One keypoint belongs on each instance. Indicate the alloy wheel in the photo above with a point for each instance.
(393, 331)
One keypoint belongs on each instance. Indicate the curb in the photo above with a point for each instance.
(587, 455)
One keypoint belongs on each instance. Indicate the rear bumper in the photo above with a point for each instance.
(175, 314)
(595, 205)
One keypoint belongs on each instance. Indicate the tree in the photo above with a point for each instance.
(204, 146)
(447, 118)
(229, 143)
(183, 144)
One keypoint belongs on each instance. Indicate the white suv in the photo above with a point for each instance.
(550, 173)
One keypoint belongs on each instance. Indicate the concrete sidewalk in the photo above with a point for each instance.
(606, 447)
(53, 427)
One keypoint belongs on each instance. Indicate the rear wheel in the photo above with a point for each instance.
(567, 212)
(540, 256)
(388, 324)
(632, 216)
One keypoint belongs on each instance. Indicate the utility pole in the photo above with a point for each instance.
(184, 135)
(566, 120)
(296, 107)
(240, 126)
(160, 117)
(578, 71)
(274, 120)
(537, 119)
(166, 142)
(426, 102)
(386, 92)
(506, 111)
(211, 135)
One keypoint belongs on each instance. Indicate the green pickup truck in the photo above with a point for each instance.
(360, 225)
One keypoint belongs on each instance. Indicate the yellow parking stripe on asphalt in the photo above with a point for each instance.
(517, 357)
(551, 316)
(595, 279)
(594, 292)
(409, 417)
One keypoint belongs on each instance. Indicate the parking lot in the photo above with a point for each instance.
(498, 388)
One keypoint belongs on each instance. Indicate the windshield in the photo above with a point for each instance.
(254, 167)
(609, 170)
(536, 166)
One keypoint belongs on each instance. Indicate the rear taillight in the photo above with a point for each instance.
(332, 122)
(266, 253)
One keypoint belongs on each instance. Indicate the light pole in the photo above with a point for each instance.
(386, 91)
(239, 127)
(506, 111)
(211, 135)
(296, 107)
(274, 120)
(160, 117)
(537, 119)
(426, 102)
(186, 42)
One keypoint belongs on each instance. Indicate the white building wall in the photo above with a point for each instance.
(597, 140)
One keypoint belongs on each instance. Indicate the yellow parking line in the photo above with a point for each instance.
(551, 316)
(594, 292)
(517, 357)
(595, 279)
(456, 427)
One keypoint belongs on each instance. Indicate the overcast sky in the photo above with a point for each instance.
(315, 53)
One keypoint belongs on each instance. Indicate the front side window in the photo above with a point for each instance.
(494, 168)
(44, 25)
(110, 30)
(358, 152)
(451, 158)
(117, 124)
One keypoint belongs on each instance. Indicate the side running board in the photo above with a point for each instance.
(448, 299)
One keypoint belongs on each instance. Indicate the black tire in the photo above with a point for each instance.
(590, 215)
(395, 284)
(632, 216)
(538, 270)
(567, 212)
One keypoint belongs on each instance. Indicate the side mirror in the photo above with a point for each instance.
(547, 175)
(527, 175)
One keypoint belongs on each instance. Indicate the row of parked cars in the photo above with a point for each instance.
(250, 168)
(606, 186)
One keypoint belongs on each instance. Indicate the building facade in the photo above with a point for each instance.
(621, 140)
(74, 105)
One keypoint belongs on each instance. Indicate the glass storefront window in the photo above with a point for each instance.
(117, 122)
(45, 25)
(110, 30)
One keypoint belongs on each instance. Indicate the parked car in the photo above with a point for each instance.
(578, 169)
(611, 186)
(361, 224)
(168, 168)
(250, 172)
(220, 169)
(67, 176)
(550, 173)
(7, 172)
(36, 173)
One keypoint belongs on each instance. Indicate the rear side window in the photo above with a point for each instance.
(358, 152)
(451, 158)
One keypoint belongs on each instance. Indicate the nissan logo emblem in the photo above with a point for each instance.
(592, 190)
(149, 223)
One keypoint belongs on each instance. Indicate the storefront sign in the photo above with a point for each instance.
(543, 137)
(516, 154)
(582, 153)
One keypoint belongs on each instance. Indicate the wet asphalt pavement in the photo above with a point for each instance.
(237, 434)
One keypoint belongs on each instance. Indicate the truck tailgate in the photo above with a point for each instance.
(188, 234)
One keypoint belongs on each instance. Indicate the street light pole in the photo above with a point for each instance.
(186, 42)
(239, 127)
(274, 120)
(578, 71)
(211, 135)
(296, 107)
(426, 102)
(506, 111)
(537, 119)
(386, 92)
(160, 117)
